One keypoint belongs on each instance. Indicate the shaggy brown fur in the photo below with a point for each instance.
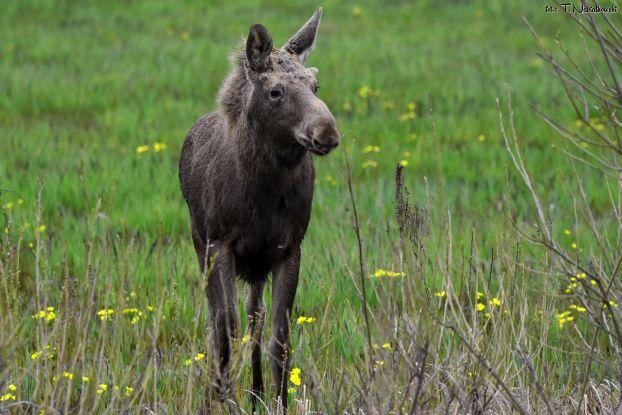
(247, 175)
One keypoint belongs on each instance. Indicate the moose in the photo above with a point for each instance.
(246, 173)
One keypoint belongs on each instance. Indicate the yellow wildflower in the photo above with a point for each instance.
(480, 295)
(567, 232)
(8, 206)
(102, 388)
(480, 307)
(357, 11)
(581, 276)
(68, 375)
(199, 356)
(128, 390)
(404, 163)
(12, 387)
(7, 397)
(157, 147)
(495, 302)
(294, 376)
(347, 106)
(142, 149)
(370, 149)
(411, 115)
(246, 338)
(187, 362)
(302, 319)
(370, 164)
(481, 138)
(385, 273)
(41, 228)
(105, 313)
(574, 245)
(593, 282)
(85, 379)
(536, 62)
(387, 346)
(388, 104)
(291, 390)
(440, 294)
(35, 356)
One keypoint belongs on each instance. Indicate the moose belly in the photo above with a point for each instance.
(262, 246)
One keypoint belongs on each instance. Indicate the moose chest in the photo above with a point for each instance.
(266, 225)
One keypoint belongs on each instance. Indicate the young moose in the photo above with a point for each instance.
(247, 175)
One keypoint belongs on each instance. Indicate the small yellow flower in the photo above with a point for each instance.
(68, 375)
(149, 308)
(408, 116)
(102, 388)
(187, 362)
(357, 11)
(387, 346)
(404, 163)
(291, 390)
(440, 294)
(85, 379)
(20, 201)
(41, 228)
(370, 164)
(105, 313)
(495, 302)
(578, 123)
(481, 138)
(480, 307)
(347, 106)
(142, 149)
(12, 387)
(199, 356)
(480, 295)
(246, 338)
(157, 147)
(378, 364)
(8, 206)
(302, 319)
(567, 232)
(389, 105)
(7, 397)
(536, 62)
(35, 356)
(128, 390)
(574, 245)
(294, 376)
(593, 282)
(581, 276)
(385, 273)
(371, 149)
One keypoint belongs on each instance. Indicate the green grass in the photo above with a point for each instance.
(83, 85)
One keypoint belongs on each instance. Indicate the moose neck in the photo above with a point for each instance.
(256, 149)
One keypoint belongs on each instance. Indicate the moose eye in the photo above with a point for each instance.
(276, 93)
(316, 87)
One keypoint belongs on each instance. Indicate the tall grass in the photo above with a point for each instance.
(522, 318)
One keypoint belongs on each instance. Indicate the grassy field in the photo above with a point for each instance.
(95, 100)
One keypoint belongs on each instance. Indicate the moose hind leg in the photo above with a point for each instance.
(256, 310)
(284, 284)
(221, 298)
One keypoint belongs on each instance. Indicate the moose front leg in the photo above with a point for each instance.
(284, 284)
(221, 298)
(255, 310)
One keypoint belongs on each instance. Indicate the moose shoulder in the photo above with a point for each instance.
(246, 172)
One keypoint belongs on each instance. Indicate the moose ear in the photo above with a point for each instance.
(303, 42)
(258, 47)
